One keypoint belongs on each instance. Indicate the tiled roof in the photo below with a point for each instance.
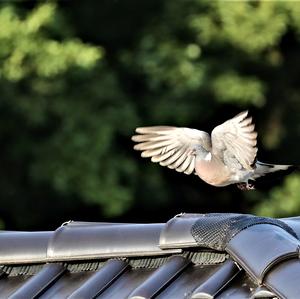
(139, 261)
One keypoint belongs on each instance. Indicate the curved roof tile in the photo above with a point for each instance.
(164, 261)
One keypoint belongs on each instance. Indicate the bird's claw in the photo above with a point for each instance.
(245, 186)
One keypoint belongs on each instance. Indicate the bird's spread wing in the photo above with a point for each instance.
(171, 146)
(236, 137)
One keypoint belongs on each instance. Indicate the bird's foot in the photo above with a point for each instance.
(245, 186)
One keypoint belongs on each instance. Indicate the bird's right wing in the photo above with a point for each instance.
(236, 137)
(171, 146)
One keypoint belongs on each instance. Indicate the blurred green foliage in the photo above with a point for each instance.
(77, 78)
(283, 201)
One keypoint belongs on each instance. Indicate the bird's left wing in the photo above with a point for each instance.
(171, 146)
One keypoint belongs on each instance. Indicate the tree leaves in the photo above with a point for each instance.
(73, 88)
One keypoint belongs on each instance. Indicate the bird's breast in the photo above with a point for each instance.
(213, 172)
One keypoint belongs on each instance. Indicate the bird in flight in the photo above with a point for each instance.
(227, 156)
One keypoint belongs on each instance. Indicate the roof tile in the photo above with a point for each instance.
(76, 242)
(284, 279)
(23, 247)
(177, 232)
(217, 281)
(161, 261)
(101, 280)
(258, 248)
(40, 282)
(160, 278)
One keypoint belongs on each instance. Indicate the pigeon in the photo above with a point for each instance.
(227, 156)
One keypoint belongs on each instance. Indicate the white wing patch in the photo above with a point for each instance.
(208, 157)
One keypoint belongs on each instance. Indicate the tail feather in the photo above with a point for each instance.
(263, 169)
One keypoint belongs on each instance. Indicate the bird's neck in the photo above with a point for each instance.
(203, 154)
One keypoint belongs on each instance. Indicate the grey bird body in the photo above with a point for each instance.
(226, 157)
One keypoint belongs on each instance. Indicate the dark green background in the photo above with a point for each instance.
(77, 77)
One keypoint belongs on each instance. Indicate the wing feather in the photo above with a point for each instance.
(171, 146)
(181, 159)
(154, 144)
(183, 167)
(238, 136)
(161, 157)
(172, 159)
(190, 169)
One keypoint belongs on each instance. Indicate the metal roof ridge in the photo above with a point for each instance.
(176, 233)
(76, 242)
(24, 247)
(82, 240)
